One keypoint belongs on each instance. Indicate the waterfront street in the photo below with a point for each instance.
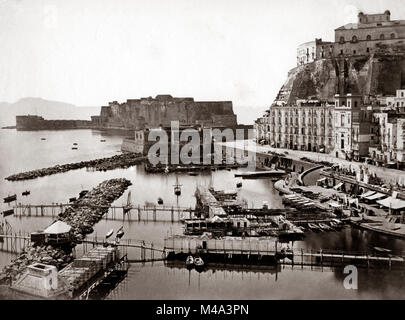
(389, 176)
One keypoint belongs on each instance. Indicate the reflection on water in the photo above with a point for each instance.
(158, 281)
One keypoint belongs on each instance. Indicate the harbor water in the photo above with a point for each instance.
(161, 280)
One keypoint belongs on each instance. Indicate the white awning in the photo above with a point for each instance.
(338, 186)
(367, 194)
(58, 227)
(376, 196)
(392, 203)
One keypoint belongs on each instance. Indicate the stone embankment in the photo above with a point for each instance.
(82, 219)
(103, 164)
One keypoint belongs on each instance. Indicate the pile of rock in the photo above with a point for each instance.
(119, 161)
(88, 210)
(82, 216)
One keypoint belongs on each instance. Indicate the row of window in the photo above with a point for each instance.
(368, 38)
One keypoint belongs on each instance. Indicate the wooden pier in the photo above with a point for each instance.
(118, 213)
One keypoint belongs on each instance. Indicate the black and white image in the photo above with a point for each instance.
(202, 150)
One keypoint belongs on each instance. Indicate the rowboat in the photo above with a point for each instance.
(160, 201)
(334, 225)
(198, 262)
(26, 193)
(190, 261)
(324, 227)
(120, 233)
(10, 198)
(314, 227)
(109, 233)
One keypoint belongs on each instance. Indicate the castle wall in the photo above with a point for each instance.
(152, 113)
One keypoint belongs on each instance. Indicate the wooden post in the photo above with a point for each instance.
(321, 258)
(154, 214)
(302, 257)
(172, 214)
(139, 212)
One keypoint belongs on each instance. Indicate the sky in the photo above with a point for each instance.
(89, 52)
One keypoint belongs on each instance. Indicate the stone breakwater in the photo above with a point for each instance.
(82, 219)
(103, 164)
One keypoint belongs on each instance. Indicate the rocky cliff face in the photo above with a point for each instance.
(366, 75)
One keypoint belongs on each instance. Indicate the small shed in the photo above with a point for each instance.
(58, 232)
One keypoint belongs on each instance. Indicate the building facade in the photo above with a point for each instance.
(371, 33)
(306, 126)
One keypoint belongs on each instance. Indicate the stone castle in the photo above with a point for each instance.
(161, 110)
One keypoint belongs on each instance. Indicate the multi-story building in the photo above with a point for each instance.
(389, 147)
(307, 125)
(262, 128)
(371, 33)
(310, 51)
(397, 102)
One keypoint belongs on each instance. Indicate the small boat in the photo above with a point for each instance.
(239, 185)
(109, 233)
(74, 148)
(10, 198)
(314, 227)
(381, 250)
(177, 187)
(43, 138)
(198, 262)
(324, 227)
(26, 193)
(75, 144)
(335, 225)
(160, 201)
(8, 212)
(192, 173)
(102, 140)
(190, 261)
(73, 199)
(120, 233)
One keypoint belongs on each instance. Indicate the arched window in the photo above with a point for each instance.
(342, 39)
(354, 39)
(368, 38)
(381, 36)
(392, 35)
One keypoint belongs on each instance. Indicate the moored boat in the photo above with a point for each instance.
(109, 233)
(10, 198)
(324, 227)
(190, 261)
(313, 227)
(73, 199)
(120, 233)
(198, 262)
(160, 201)
(26, 193)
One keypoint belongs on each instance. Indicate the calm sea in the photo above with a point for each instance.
(21, 151)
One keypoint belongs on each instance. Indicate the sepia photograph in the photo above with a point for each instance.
(202, 150)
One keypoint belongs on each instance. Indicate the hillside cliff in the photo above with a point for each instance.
(367, 75)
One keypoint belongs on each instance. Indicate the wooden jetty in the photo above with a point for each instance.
(121, 213)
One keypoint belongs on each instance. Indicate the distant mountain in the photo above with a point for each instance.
(45, 108)
(248, 115)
